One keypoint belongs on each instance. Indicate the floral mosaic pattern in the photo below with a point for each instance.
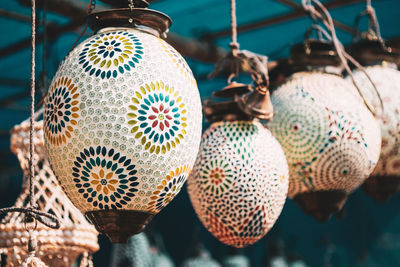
(217, 176)
(239, 182)
(105, 178)
(158, 117)
(109, 99)
(329, 145)
(62, 111)
(111, 54)
(168, 189)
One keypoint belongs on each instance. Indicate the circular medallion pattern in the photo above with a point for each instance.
(158, 117)
(62, 111)
(105, 178)
(111, 54)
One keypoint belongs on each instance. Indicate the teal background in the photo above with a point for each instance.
(367, 235)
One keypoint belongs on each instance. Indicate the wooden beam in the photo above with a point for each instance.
(15, 16)
(53, 33)
(191, 48)
(299, 7)
(276, 20)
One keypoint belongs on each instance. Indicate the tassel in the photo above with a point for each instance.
(86, 260)
(32, 261)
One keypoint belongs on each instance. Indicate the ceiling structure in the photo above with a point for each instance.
(200, 31)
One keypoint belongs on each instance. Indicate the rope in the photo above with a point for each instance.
(325, 17)
(32, 108)
(234, 44)
(31, 212)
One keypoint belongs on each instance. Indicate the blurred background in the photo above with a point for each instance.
(364, 234)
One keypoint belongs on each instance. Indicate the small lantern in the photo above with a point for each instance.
(239, 183)
(58, 247)
(122, 121)
(381, 65)
(330, 139)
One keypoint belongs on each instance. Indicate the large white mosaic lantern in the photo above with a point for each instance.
(239, 183)
(331, 140)
(381, 66)
(122, 122)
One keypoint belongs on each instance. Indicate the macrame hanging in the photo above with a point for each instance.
(58, 247)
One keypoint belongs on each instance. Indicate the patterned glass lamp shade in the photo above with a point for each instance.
(239, 183)
(122, 122)
(382, 68)
(330, 139)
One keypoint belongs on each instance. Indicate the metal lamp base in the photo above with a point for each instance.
(119, 225)
(321, 204)
(381, 188)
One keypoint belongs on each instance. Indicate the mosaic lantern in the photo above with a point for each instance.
(330, 139)
(58, 247)
(239, 183)
(122, 121)
(382, 68)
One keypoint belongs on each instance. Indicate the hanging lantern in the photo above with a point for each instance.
(122, 121)
(58, 247)
(330, 139)
(239, 183)
(381, 64)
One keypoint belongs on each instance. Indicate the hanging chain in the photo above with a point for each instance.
(32, 214)
(323, 14)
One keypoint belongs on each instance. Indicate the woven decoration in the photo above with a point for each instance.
(331, 141)
(136, 253)
(122, 124)
(387, 81)
(59, 247)
(239, 183)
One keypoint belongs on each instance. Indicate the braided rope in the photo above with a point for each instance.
(31, 212)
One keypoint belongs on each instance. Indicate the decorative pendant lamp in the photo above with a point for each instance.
(331, 140)
(122, 121)
(239, 183)
(381, 64)
(58, 247)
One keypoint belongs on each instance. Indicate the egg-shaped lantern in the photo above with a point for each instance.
(330, 139)
(122, 121)
(239, 183)
(381, 65)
